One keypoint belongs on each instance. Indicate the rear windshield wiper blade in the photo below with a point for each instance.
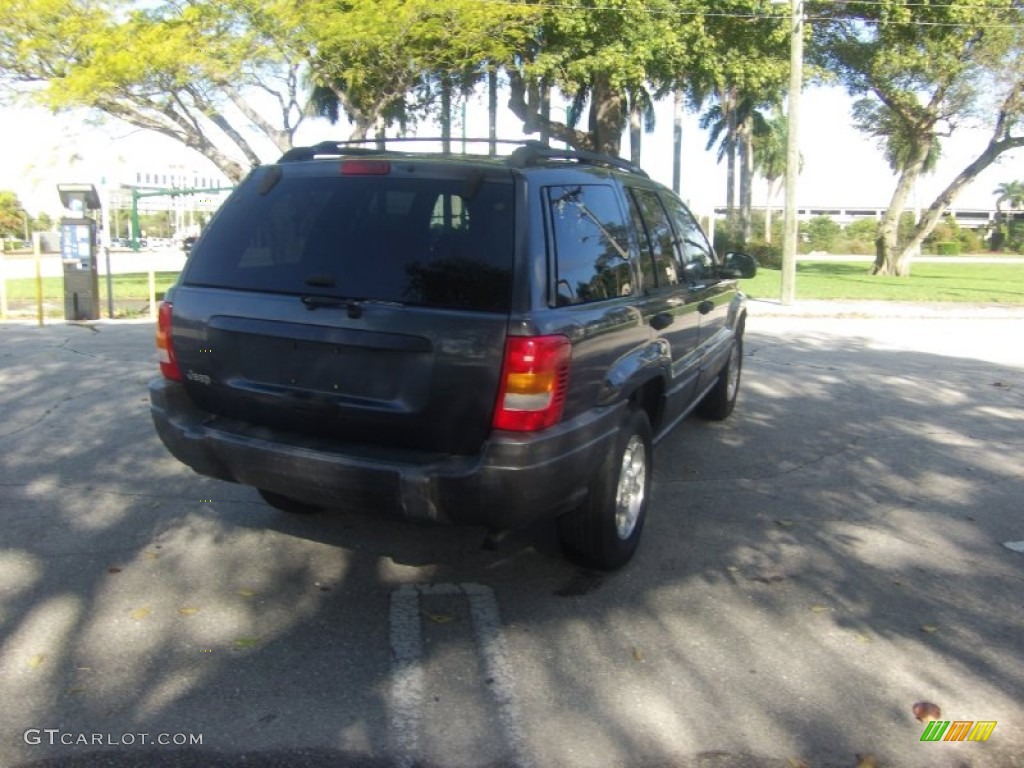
(353, 306)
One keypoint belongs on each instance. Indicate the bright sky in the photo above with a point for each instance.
(842, 168)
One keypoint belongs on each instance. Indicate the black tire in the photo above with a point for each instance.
(602, 533)
(288, 504)
(719, 402)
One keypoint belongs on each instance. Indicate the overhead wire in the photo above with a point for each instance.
(577, 6)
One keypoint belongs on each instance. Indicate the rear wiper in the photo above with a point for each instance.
(354, 307)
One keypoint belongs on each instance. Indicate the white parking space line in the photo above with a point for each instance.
(408, 686)
(406, 674)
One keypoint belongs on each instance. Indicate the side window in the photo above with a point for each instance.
(591, 244)
(647, 266)
(697, 254)
(659, 236)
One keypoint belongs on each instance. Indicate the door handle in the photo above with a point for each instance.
(705, 306)
(661, 321)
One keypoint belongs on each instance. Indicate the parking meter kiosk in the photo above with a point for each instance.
(78, 252)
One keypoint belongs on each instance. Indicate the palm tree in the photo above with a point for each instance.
(1010, 193)
(733, 122)
(770, 163)
(641, 120)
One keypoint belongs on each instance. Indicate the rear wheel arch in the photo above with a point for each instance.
(649, 397)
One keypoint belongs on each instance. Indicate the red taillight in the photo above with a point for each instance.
(534, 378)
(365, 167)
(164, 346)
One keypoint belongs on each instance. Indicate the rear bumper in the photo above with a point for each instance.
(514, 480)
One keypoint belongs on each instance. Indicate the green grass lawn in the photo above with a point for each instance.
(126, 287)
(960, 282)
(129, 290)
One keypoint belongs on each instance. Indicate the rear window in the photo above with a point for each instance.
(430, 242)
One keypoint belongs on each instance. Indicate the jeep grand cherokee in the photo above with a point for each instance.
(455, 338)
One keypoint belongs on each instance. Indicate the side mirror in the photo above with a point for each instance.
(738, 266)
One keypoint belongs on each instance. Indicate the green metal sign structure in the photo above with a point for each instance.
(137, 195)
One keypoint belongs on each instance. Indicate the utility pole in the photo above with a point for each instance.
(796, 77)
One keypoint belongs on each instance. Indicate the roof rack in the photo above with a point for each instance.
(528, 152)
(534, 152)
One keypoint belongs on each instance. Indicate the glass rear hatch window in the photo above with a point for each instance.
(421, 241)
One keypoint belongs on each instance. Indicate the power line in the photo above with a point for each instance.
(570, 6)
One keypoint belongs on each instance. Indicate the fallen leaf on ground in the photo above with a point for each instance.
(150, 555)
(785, 523)
(929, 628)
(246, 592)
(819, 608)
(36, 660)
(246, 642)
(188, 610)
(925, 711)
(638, 655)
(866, 761)
(113, 569)
(140, 613)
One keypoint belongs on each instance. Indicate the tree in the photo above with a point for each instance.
(605, 55)
(922, 70)
(743, 74)
(188, 70)
(1011, 194)
(770, 162)
(735, 123)
(12, 215)
(392, 62)
(42, 223)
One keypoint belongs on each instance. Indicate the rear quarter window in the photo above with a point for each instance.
(591, 243)
(422, 241)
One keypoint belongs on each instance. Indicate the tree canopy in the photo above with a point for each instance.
(12, 215)
(185, 70)
(921, 70)
(234, 79)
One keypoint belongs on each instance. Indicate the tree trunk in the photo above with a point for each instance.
(607, 116)
(933, 215)
(492, 110)
(524, 103)
(769, 197)
(889, 259)
(635, 130)
(677, 141)
(746, 151)
(446, 116)
(545, 111)
(730, 156)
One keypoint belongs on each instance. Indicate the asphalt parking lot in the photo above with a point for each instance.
(843, 547)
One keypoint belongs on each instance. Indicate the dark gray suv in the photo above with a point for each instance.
(454, 338)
